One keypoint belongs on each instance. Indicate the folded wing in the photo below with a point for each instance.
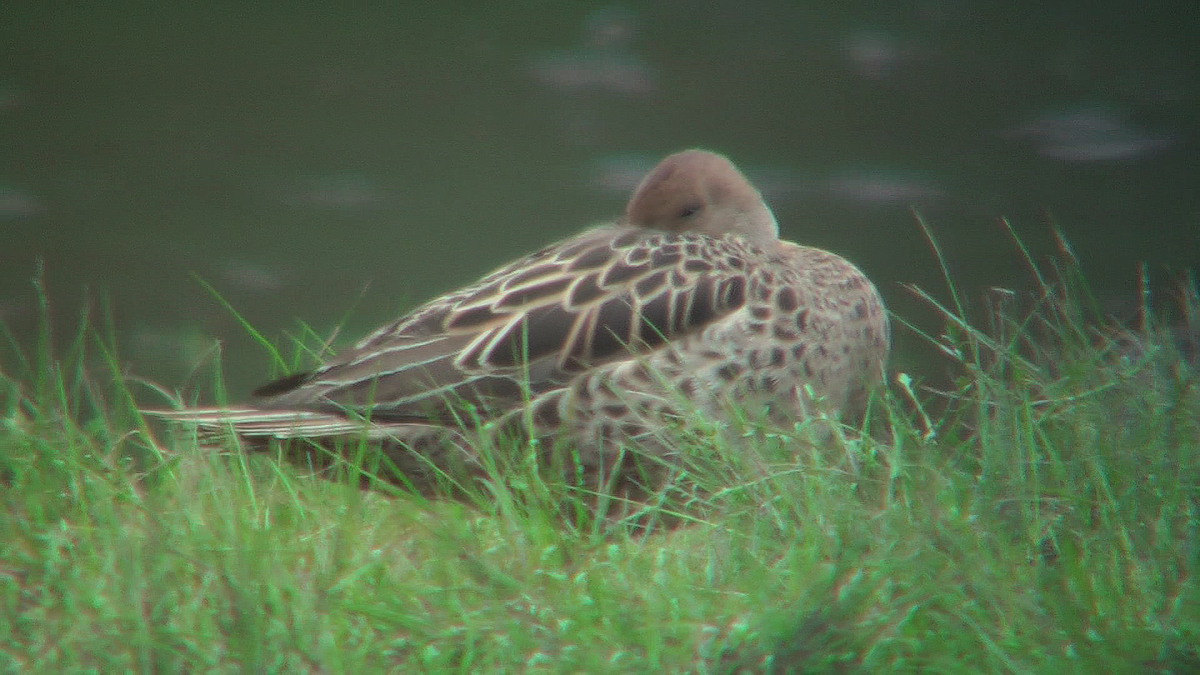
(529, 327)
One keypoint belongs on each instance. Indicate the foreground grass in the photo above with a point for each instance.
(1043, 519)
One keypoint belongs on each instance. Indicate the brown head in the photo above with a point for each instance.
(701, 191)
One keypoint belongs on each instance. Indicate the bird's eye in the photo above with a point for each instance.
(689, 210)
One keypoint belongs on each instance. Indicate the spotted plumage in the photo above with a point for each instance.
(603, 342)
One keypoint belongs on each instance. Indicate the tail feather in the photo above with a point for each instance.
(280, 424)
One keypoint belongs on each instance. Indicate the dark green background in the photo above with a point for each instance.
(292, 155)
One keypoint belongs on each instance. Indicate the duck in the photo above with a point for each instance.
(599, 349)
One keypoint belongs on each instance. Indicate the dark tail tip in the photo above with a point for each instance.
(282, 385)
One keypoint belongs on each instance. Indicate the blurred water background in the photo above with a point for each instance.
(332, 165)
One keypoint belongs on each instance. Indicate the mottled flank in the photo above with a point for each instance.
(603, 342)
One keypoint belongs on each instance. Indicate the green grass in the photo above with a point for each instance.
(1040, 514)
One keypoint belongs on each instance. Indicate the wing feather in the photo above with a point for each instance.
(531, 326)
